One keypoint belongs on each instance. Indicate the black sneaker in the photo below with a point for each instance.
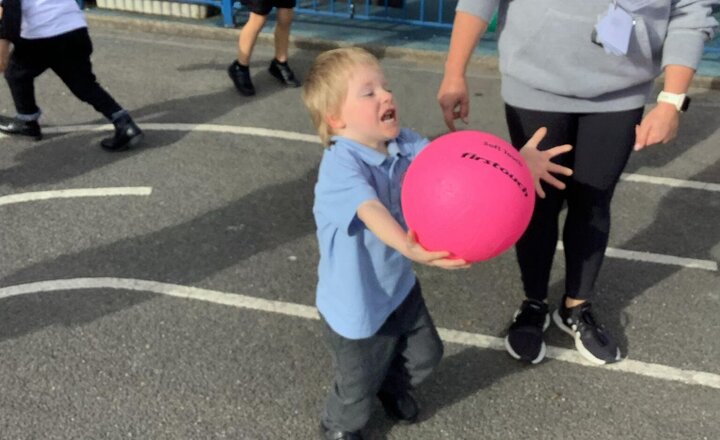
(525, 336)
(127, 135)
(240, 76)
(283, 73)
(591, 339)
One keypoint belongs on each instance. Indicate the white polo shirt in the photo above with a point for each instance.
(49, 18)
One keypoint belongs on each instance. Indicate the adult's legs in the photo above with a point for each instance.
(536, 248)
(604, 144)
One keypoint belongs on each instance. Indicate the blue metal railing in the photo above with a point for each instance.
(427, 13)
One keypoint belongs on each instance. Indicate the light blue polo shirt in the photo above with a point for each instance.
(361, 280)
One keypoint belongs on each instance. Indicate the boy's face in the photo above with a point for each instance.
(368, 115)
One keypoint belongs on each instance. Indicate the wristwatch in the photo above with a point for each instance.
(679, 100)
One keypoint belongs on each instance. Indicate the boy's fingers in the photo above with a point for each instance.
(539, 189)
(437, 255)
(411, 237)
(447, 263)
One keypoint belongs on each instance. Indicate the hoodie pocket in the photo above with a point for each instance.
(559, 57)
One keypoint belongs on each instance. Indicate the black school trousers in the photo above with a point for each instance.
(602, 143)
(396, 358)
(68, 55)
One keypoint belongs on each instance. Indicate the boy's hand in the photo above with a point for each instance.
(540, 162)
(417, 253)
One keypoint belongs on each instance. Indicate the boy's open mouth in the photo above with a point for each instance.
(388, 116)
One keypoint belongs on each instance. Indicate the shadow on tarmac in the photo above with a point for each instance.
(182, 254)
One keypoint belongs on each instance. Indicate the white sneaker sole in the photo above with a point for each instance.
(578, 343)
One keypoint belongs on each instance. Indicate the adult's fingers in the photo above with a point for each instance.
(559, 169)
(641, 134)
(554, 181)
(534, 141)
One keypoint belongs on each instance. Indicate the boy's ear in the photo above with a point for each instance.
(334, 121)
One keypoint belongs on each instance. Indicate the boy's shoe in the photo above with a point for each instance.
(591, 339)
(18, 127)
(329, 434)
(127, 135)
(525, 336)
(240, 76)
(401, 407)
(283, 73)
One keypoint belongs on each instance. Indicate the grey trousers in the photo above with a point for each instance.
(398, 357)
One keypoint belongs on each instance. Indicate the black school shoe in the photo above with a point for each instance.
(591, 339)
(18, 127)
(127, 135)
(525, 335)
(329, 434)
(283, 73)
(400, 407)
(240, 76)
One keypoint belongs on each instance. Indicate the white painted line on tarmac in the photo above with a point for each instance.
(212, 128)
(302, 137)
(649, 257)
(656, 371)
(675, 183)
(72, 193)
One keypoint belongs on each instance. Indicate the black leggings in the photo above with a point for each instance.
(602, 143)
(68, 55)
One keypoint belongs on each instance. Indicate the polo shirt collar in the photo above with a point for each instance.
(367, 154)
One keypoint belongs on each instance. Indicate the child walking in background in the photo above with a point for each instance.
(53, 35)
(239, 70)
(381, 336)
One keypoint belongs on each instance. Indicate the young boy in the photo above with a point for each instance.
(380, 333)
(53, 35)
(259, 9)
(381, 336)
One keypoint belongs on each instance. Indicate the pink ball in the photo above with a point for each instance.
(469, 193)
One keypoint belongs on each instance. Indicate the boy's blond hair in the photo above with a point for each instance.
(325, 86)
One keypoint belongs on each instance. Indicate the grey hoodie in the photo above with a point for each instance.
(548, 61)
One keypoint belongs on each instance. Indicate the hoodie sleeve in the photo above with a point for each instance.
(690, 25)
(479, 8)
(11, 20)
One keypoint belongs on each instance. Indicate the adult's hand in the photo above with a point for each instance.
(660, 125)
(453, 94)
(453, 100)
(540, 162)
